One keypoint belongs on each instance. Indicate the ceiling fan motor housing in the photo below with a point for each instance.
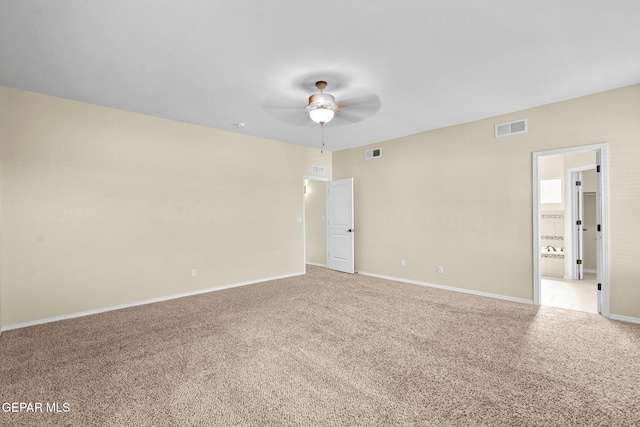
(322, 100)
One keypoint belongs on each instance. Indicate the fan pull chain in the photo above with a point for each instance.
(322, 137)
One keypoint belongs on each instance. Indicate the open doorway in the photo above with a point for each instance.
(576, 285)
(570, 232)
(314, 220)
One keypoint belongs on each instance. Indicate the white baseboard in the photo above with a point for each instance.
(252, 282)
(316, 264)
(624, 318)
(628, 319)
(137, 303)
(450, 288)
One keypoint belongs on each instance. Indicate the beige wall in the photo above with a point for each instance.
(552, 167)
(589, 183)
(102, 207)
(315, 228)
(460, 198)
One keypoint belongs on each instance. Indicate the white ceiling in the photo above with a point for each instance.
(221, 62)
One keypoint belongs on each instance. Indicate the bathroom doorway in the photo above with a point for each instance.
(570, 233)
(314, 221)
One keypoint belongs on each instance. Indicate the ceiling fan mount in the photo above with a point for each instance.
(321, 85)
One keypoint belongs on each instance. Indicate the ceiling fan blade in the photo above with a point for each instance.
(356, 109)
(288, 103)
(344, 118)
(295, 118)
(368, 103)
(289, 112)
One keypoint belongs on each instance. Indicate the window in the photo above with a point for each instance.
(551, 190)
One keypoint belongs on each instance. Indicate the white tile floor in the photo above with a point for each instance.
(574, 294)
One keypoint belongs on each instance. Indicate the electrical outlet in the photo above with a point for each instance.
(194, 272)
(440, 269)
(403, 263)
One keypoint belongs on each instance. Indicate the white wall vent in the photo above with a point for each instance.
(317, 170)
(511, 128)
(373, 153)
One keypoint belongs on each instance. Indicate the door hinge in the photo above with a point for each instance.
(578, 183)
(599, 229)
(579, 261)
(598, 168)
(599, 286)
(579, 222)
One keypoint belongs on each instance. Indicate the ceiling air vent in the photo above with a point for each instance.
(317, 170)
(372, 154)
(511, 128)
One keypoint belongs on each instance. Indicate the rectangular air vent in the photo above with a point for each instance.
(373, 153)
(511, 128)
(317, 170)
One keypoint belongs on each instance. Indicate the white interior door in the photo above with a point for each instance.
(579, 224)
(599, 242)
(340, 253)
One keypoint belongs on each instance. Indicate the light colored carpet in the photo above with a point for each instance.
(327, 349)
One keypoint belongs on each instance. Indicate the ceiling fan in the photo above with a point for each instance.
(321, 108)
(353, 105)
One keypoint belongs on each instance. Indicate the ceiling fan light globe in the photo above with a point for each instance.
(321, 115)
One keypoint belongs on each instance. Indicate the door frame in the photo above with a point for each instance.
(304, 217)
(601, 150)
